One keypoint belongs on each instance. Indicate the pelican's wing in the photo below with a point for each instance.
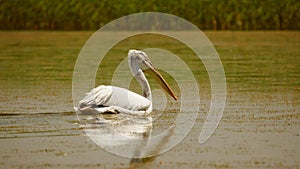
(115, 96)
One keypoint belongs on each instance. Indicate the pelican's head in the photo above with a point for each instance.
(138, 59)
(138, 55)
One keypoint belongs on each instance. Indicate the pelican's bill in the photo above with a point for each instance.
(159, 78)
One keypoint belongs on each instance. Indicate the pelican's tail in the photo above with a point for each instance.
(76, 109)
(90, 97)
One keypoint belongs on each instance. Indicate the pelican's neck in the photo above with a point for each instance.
(140, 77)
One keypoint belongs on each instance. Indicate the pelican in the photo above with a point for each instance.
(112, 99)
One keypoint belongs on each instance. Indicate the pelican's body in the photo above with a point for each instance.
(112, 99)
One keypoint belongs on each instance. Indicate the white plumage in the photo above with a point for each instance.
(116, 96)
(112, 99)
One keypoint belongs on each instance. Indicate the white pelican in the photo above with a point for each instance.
(112, 99)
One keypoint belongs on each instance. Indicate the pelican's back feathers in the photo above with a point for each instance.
(114, 96)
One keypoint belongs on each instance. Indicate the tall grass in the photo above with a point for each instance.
(206, 14)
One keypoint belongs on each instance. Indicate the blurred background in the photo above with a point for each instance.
(257, 41)
(93, 14)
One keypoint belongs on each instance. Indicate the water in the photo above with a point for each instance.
(259, 128)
